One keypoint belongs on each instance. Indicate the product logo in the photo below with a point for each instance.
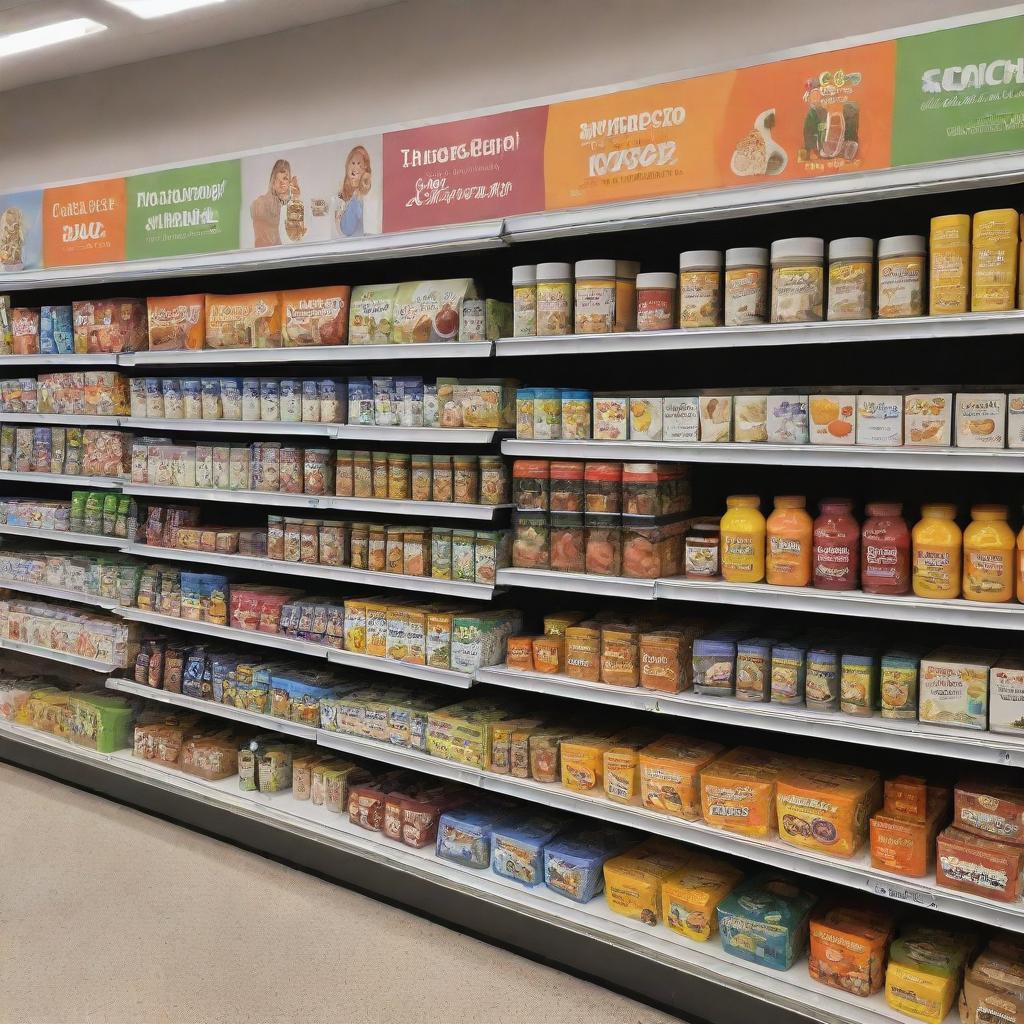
(957, 78)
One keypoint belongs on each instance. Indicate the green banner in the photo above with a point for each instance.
(185, 210)
(959, 92)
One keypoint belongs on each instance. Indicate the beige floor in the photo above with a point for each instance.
(109, 915)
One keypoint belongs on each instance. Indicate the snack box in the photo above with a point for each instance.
(1006, 696)
(670, 774)
(925, 967)
(464, 835)
(737, 790)
(100, 722)
(980, 420)
(848, 947)
(109, 325)
(56, 330)
(210, 757)
(715, 412)
(315, 316)
(24, 331)
(985, 867)
(633, 880)
(928, 419)
(954, 687)
(680, 418)
(244, 321)
(826, 807)
(787, 421)
(905, 845)
(993, 988)
(582, 760)
(176, 322)
(765, 921)
(372, 314)
(431, 311)
(574, 864)
(750, 418)
(880, 420)
(691, 896)
(517, 852)
(990, 811)
(833, 418)
(646, 418)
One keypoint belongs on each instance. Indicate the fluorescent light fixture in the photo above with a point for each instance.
(160, 8)
(47, 35)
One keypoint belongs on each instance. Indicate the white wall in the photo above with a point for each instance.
(418, 59)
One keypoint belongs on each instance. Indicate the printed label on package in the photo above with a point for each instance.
(476, 169)
(84, 223)
(21, 230)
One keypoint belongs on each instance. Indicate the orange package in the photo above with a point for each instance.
(620, 655)
(519, 653)
(109, 325)
(662, 666)
(244, 321)
(582, 759)
(670, 774)
(990, 811)
(904, 845)
(848, 947)
(622, 766)
(737, 791)
(826, 807)
(176, 322)
(583, 652)
(25, 332)
(984, 867)
(315, 316)
(548, 654)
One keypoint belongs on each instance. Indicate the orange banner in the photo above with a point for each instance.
(653, 141)
(84, 223)
(830, 113)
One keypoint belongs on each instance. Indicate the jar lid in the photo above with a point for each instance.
(639, 469)
(427, 458)
(441, 458)
(526, 394)
(989, 513)
(790, 501)
(746, 256)
(843, 503)
(902, 245)
(962, 221)
(659, 279)
(627, 268)
(547, 393)
(706, 526)
(1006, 216)
(804, 248)
(524, 275)
(696, 259)
(604, 471)
(595, 268)
(884, 508)
(527, 517)
(566, 470)
(553, 272)
(939, 511)
(394, 456)
(743, 501)
(855, 248)
(531, 467)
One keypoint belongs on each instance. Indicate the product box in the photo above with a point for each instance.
(670, 774)
(993, 988)
(880, 420)
(1015, 420)
(431, 311)
(611, 418)
(954, 687)
(681, 418)
(928, 419)
(633, 880)
(715, 412)
(315, 316)
(56, 330)
(848, 946)
(984, 867)
(981, 420)
(990, 811)
(646, 419)
(372, 314)
(833, 418)
(737, 790)
(517, 853)
(176, 322)
(574, 865)
(1006, 696)
(25, 331)
(244, 321)
(750, 418)
(787, 421)
(485, 320)
(904, 845)
(109, 325)
(925, 967)
(690, 897)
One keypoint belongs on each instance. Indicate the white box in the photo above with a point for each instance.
(880, 420)
(611, 418)
(1015, 420)
(833, 418)
(750, 418)
(787, 419)
(1006, 696)
(954, 687)
(646, 417)
(715, 417)
(681, 418)
(981, 420)
(928, 419)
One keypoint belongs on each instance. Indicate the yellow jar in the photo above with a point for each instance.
(524, 302)
(554, 298)
(743, 537)
(746, 287)
(626, 273)
(595, 296)
(994, 261)
(851, 279)
(989, 550)
(949, 274)
(1020, 565)
(700, 288)
(901, 276)
(937, 544)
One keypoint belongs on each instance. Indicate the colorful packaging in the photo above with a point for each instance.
(990, 811)
(923, 976)
(517, 853)
(176, 322)
(984, 867)
(954, 687)
(1006, 696)
(315, 316)
(244, 321)
(737, 791)
(848, 946)
(670, 774)
(430, 311)
(109, 325)
(690, 898)
(633, 880)
(574, 864)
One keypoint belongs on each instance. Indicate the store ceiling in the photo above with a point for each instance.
(129, 39)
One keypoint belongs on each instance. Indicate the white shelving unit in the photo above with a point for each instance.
(12, 282)
(577, 583)
(418, 435)
(63, 536)
(310, 354)
(91, 483)
(67, 659)
(267, 428)
(40, 590)
(912, 736)
(421, 673)
(59, 419)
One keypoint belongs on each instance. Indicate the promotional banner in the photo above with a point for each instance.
(84, 223)
(476, 169)
(186, 210)
(312, 193)
(959, 92)
(21, 231)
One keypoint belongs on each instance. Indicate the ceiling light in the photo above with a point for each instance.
(47, 35)
(160, 8)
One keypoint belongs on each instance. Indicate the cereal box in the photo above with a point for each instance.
(25, 331)
(1006, 696)
(109, 325)
(176, 322)
(981, 420)
(954, 687)
(315, 316)
(880, 420)
(833, 418)
(928, 419)
(244, 321)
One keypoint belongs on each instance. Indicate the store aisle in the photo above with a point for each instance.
(110, 915)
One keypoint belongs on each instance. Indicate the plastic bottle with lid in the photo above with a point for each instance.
(885, 550)
(746, 286)
(789, 542)
(851, 275)
(595, 296)
(1020, 565)
(937, 548)
(901, 275)
(989, 548)
(700, 288)
(743, 539)
(798, 281)
(949, 264)
(836, 560)
(656, 301)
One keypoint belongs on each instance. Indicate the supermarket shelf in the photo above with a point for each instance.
(577, 583)
(340, 574)
(64, 536)
(422, 673)
(844, 456)
(67, 659)
(246, 636)
(856, 872)
(66, 359)
(24, 587)
(306, 732)
(968, 325)
(264, 427)
(312, 354)
(848, 602)
(399, 244)
(59, 418)
(275, 499)
(93, 483)
(421, 435)
(963, 744)
(792, 990)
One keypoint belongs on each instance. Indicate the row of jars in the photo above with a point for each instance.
(569, 485)
(882, 555)
(462, 479)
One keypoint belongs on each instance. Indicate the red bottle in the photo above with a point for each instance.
(836, 559)
(885, 550)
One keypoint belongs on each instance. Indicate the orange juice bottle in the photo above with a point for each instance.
(1020, 565)
(790, 542)
(742, 528)
(936, 556)
(989, 549)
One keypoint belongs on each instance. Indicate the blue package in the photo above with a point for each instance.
(464, 835)
(753, 668)
(714, 662)
(222, 670)
(385, 402)
(360, 401)
(574, 865)
(195, 680)
(56, 331)
(517, 852)
(765, 921)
